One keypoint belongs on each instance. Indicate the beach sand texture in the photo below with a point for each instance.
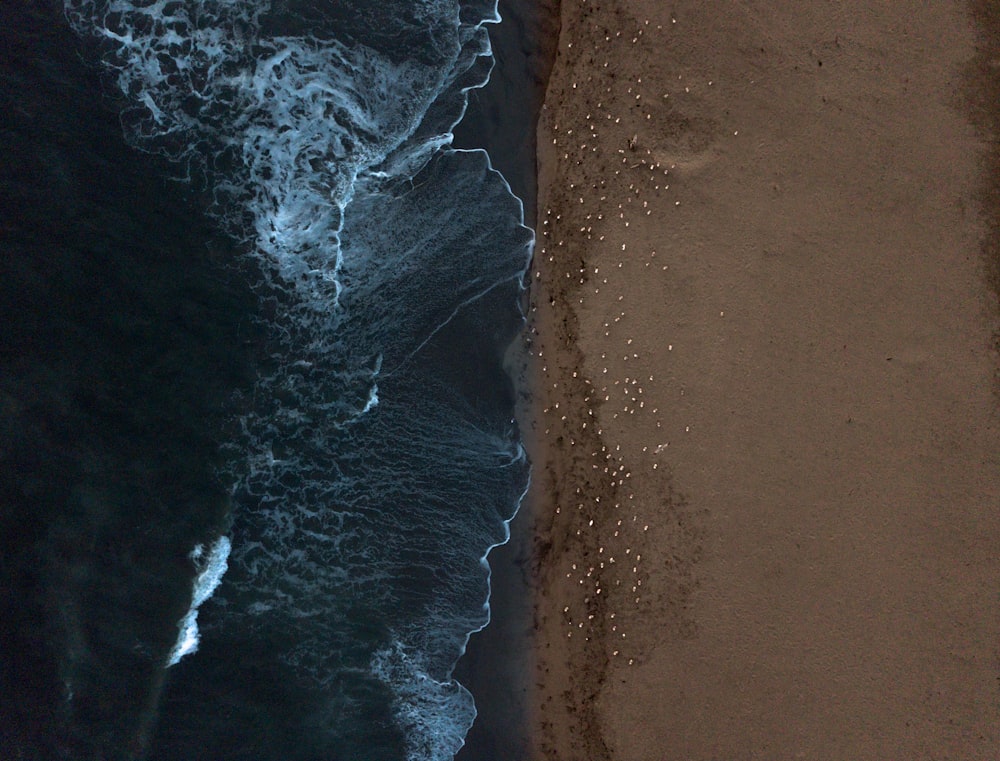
(765, 433)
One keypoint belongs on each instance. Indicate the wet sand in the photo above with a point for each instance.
(764, 374)
(502, 119)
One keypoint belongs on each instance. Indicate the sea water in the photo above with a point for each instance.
(374, 460)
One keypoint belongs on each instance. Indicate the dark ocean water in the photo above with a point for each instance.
(256, 434)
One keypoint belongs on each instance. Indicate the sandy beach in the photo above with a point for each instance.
(764, 428)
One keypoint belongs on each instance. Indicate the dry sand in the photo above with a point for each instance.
(765, 432)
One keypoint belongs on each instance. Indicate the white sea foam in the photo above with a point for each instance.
(435, 715)
(296, 117)
(211, 568)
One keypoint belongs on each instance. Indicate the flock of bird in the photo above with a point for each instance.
(607, 178)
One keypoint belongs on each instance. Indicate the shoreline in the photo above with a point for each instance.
(502, 117)
(498, 662)
(764, 320)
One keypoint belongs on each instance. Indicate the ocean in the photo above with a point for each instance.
(257, 435)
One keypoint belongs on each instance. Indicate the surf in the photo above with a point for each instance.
(373, 474)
